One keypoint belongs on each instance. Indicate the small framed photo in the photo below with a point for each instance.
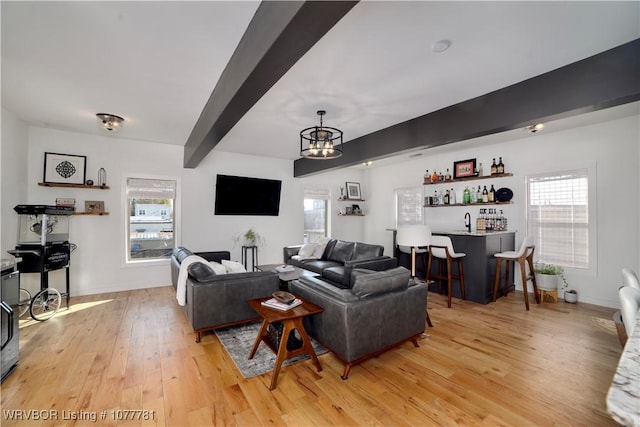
(94, 206)
(353, 191)
(64, 168)
(464, 168)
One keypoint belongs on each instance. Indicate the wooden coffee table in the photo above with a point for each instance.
(291, 319)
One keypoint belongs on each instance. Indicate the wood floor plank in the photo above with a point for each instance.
(483, 365)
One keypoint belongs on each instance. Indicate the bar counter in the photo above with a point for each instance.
(623, 399)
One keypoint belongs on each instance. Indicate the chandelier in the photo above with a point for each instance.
(321, 142)
(109, 122)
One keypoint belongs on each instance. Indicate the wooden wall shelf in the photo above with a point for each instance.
(91, 213)
(470, 178)
(53, 184)
(468, 204)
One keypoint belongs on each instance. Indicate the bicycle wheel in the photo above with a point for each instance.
(25, 301)
(45, 304)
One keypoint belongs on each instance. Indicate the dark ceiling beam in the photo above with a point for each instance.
(278, 35)
(604, 80)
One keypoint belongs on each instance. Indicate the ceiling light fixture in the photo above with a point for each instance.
(440, 46)
(534, 128)
(321, 142)
(109, 122)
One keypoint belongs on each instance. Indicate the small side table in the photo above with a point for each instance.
(291, 319)
(254, 257)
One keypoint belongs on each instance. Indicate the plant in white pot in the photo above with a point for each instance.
(547, 276)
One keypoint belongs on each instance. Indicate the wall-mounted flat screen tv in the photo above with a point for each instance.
(239, 195)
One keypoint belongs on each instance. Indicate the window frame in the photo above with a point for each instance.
(177, 220)
(590, 173)
(318, 194)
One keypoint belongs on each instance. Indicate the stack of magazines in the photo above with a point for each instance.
(285, 269)
(274, 303)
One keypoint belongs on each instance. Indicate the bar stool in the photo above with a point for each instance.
(522, 256)
(442, 249)
(413, 238)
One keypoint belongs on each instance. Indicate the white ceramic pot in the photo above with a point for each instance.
(548, 282)
(570, 298)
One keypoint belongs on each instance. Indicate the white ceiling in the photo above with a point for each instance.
(156, 63)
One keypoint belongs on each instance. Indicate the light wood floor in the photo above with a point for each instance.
(489, 365)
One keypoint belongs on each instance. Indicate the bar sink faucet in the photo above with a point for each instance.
(467, 221)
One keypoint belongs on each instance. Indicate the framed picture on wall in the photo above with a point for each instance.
(94, 206)
(353, 191)
(64, 168)
(464, 168)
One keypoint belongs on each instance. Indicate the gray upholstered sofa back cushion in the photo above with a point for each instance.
(367, 251)
(341, 252)
(379, 282)
(181, 253)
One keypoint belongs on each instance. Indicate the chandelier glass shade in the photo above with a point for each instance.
(109, 122)
(321, 142)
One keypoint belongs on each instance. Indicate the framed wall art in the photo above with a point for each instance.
(464, 168)
(353, 191)
(64, 168)
(94, 206)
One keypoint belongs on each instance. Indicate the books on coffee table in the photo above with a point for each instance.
(285, 269)
(274, 303)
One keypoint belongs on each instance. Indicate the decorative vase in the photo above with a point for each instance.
(570, 297)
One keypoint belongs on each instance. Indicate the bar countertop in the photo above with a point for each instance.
(623, 399)
(471, 233)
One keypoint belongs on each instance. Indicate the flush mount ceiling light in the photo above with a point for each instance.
(534, 128)
(321, 142)
(440, 46)
(109, 122)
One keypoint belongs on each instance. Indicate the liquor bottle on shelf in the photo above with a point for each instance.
(500, 167)
(472, 196)
(434, 177)
(479, 195)
(447, 176)
(466, 196)
(480, 170)
(485, 195)
(441, 198)
(441, 177)
(492, 194)
(427, 177)
(494, 167)
(446, 197)
(452, 197)
(435, 197)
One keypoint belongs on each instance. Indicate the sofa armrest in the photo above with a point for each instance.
(223, 299)
(379, 263)
(289, 251)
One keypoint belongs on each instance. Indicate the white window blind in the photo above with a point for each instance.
(558, 217)
(409, 206)
(140, 188)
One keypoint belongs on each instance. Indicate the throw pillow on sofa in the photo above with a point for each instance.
(233, 266)
(217, 267)
(322, 245)
(307, 251)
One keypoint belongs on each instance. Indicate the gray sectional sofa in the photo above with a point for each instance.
(337, 258)
(381, 310)
(218, 300)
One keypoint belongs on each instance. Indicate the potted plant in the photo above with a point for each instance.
(571, 296)
(249, 238)
(547, 276)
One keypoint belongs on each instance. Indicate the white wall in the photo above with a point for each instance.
(13, 152)
(612, 147)
(98, 264)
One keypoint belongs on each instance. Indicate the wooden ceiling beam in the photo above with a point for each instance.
(277, 36)
(601, 81)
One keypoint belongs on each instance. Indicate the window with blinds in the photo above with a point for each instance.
(558, 217)
(150, 228)
(409, 206)
(316, 206)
